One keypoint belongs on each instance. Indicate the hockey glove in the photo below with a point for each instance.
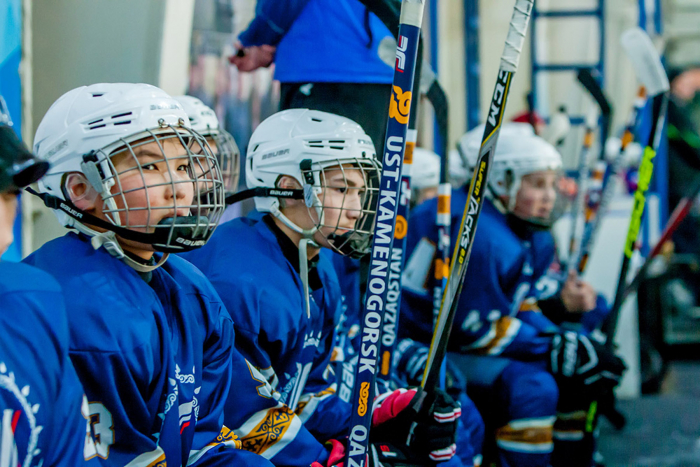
(410, 366)
(380, 455)
(422, 425)
(579, 363)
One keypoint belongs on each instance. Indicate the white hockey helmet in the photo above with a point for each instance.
(519, 152)
(204, 121)
(302, 144)
(425, 169)
(79, 135)
(460, 173)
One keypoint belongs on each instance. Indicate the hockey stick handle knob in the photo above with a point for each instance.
(412, 12)
(516, 35)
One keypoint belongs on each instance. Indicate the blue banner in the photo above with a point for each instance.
(11, 89)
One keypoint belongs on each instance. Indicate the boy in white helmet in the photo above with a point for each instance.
(521, 368)
(204, 121)
(425, 175)
(40, 395)
(315, 178)
(150, 340)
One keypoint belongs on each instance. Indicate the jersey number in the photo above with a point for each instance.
(100, 430)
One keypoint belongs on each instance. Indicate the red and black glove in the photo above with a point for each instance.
(422, 425)
(381, 455)
(410, 428)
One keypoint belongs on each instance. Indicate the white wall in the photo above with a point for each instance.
(559, 41)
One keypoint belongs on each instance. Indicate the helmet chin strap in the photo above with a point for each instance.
(304, 270)
(307, 240)
(108, 241)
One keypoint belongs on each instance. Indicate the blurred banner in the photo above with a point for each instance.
(11, 89)
(241, 100)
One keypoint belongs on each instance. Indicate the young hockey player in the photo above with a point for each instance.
(315, 177)
(40, 395)
(204, 121)
(425, 175)
(149, 338)
(522, 369)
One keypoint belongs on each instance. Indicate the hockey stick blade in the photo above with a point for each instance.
(460, 258)
(645, 60)
(590, 80)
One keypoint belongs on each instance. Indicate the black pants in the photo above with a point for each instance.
(366, 104)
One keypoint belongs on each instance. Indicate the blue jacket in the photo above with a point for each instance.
(39, 391)
(331, 41)
(156, 358)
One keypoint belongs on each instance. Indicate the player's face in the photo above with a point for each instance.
(536, 195)
(152, 187)
(8, 210)
(342, 199)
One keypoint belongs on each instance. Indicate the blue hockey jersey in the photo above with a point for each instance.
(155, 358)
(497, 311)
(40, 395)
(254, 267)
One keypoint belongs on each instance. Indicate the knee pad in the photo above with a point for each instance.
(529, 391)
(531, 394)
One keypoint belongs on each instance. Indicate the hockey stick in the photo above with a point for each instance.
(590, 79)
(574, 245)
(596, 210)
(390, 327)
(389, 189)
(677, 217)
(429, 86)
(645, 58)
(438, 98)
(460, 258)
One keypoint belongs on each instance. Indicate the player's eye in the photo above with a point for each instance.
(148, 167)
(184, 167)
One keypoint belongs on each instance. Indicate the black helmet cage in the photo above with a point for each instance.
(355, 242)
(229, 157)
(175, 233)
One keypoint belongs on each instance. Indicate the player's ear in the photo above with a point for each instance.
(80, 191)
(288, 183)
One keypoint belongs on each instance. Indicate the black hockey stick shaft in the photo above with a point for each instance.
(677, 217)
(477, 190)
(591, 80)
(438, 98)
(646, 170)
(380, 255)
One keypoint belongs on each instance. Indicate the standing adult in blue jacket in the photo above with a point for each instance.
(329, 55)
